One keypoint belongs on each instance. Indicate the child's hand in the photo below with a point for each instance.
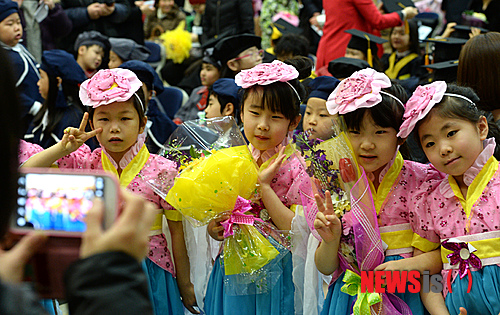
(215, 229)
(394, 265)
(267, 174)
(327, 223)
(188, 297)
(74, 138)
(449, 29)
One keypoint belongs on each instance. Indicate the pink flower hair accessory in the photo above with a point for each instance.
(420, 104)
(109, 86)
(265, 74)
(361, 90)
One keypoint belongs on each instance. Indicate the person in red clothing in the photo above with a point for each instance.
(342, 15)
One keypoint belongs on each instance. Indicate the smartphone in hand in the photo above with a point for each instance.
(57, 202)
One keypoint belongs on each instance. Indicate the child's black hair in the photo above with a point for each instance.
(224, 100)
(280, 97)
(388, 113)
(296, 45)
(137, 106)
(56, 114)
(459, 108)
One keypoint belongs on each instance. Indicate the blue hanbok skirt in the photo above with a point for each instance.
(163, 290)
(484, 296)
(278, 300)
(340, 303)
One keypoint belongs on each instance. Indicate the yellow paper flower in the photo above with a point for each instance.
(177, 43)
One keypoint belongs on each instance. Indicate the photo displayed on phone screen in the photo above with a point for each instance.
(56, 201)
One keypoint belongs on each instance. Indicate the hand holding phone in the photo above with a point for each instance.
(13, 261)
(57, 202)
(130, 232)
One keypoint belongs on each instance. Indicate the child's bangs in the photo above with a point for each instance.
(278, 97)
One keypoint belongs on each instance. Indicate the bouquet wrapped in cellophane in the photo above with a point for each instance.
(361, 235)
(217, 175)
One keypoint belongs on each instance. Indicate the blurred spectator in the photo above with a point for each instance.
(105, 16)
(165, 17)
(227, 17)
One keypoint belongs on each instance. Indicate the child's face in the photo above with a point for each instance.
(114, 60)
(43, 84)
(452, 145)
(120, 126)
(264, 129)
(373, 145)
(317, 120)
(399, 40)
(166, 5)
(354, 53)
(11, 30)
(213, 107)
(90, 57)
(208, 74)
(248, 58)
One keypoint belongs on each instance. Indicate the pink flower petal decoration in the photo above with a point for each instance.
(265, 74)
(108, 86)
(360, 90)
(420, 104)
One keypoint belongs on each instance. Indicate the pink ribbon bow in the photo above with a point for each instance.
(238, 217)
(463, 255)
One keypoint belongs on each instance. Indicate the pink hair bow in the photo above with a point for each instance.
(420, 104)
(360, 90)
(238, 217)
(108, 86)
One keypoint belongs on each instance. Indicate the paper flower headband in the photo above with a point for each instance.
(265, 74)
(109, 86)
(420, 104)
(361, 90)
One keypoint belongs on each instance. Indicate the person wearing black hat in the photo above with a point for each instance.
(91, 48)
(210, 72)
(159, 126)
(317, 121)
(443, 71)
(60, 77)
(445, 49)
(25, 66)
(124, 49)
(223, 100)
(404, 63)
(364, 46)
(344, 67)
(238, 52)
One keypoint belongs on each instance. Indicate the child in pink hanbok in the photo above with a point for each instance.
(460, 213)
(270, 113)
(372, 108)
(117, 119)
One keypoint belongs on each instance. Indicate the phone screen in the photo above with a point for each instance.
(57, 202)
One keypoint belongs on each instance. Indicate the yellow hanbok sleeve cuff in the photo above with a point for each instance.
(424, 245)
(173, 215)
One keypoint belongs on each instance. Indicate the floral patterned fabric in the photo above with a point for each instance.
(155, 167)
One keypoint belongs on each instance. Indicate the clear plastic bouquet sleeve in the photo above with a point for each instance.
(221, 173)
(332, 166)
